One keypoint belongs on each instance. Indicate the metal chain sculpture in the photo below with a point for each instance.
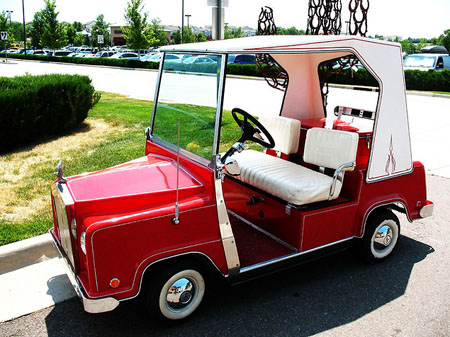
(274, 74)
(324, 17)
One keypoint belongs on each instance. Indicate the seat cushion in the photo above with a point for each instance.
(291, 182)
(330, 148)
(285, 131)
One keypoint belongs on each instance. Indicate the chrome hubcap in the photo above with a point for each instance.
(383, 237)
(180, 294)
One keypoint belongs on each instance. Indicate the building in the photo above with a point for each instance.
(117, 38)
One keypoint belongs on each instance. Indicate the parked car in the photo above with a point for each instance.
(126, 55)
(231, 58)
(61, 53)
(427, 62)
(244, 59)
(157, 58)
(199, 204)
(104, 54)
(198, 59)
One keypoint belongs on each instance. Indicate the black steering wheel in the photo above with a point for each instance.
(251, 129)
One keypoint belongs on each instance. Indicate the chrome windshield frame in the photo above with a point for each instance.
(219, 106)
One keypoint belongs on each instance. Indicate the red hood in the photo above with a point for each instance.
(151, 174)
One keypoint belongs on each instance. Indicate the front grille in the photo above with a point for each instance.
(60, 194)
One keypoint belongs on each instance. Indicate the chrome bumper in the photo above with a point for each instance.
(92, 306)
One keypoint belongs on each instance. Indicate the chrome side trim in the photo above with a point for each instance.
(376, 206)
(290, 256)
(226, 232)
(92, 306)
(131, 222)
(426, 211)
(259, 229)
(168, 258)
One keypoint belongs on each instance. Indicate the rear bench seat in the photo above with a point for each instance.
(294, 183)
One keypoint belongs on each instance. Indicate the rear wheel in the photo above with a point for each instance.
(176, 292)
(380, 237)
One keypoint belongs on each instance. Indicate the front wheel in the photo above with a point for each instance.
(176, 293)
(380, 237)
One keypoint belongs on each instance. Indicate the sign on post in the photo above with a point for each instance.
(100, 39)
(4, 35)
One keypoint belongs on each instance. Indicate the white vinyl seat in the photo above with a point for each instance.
(297, 184)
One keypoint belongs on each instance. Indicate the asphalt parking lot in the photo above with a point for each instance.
(407, 295)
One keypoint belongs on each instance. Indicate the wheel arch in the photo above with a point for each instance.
(380, 207)
(204, 262)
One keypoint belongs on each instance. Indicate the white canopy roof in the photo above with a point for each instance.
(272, 43)
(300, 56)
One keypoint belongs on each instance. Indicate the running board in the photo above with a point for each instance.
(259, 229)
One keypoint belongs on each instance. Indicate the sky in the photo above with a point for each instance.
(405, 18)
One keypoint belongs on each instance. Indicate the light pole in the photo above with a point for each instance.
(182, 21)
(9, 15)
(188, 16)
(24, 34)
(218, 20)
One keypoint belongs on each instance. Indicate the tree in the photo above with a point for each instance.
(135, 33)
(71, 32)
(177, 37)
(444, 39)
(233, 33)
(157, 34)
(4, 26)
(53, 35)
(421, 44)
(408, 47)
(100, 27)
(3, 21)
(79, 27)
(37, 28)
(78, 39)
(290, 31)
(201, 37)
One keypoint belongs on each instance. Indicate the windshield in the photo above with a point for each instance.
(419, 61)
(188, 92)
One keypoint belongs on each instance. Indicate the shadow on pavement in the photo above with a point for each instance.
(302, 301)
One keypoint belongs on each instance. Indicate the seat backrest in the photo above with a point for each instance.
(285, 132)
(330, 148)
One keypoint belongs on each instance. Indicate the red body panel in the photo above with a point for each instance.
(127, 211)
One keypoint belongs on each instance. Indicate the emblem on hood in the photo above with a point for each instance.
(60, 168)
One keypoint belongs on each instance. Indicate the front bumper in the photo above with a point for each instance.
(93, 306)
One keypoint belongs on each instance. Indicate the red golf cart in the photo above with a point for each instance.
(243, 192)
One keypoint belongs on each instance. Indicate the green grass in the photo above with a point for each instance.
(124, 141)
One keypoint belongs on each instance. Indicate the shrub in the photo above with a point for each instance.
(32, 106)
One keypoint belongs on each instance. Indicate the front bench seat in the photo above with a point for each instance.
(297, 184)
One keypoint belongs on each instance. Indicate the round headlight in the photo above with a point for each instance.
(83, 242)
(73, 228)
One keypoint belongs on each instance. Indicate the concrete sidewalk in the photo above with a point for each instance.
(32, 277)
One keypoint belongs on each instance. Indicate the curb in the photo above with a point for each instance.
(26, 252)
